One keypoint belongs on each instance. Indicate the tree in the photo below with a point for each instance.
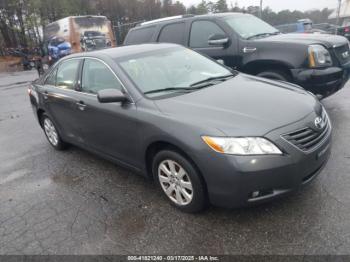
(221, 6)
(202, 8)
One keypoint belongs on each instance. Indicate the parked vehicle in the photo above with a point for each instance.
(202, 131)
(79, 33)
(302, 26)
(57, 48)
(344, 29)
(94, 40)
(318, 63)
(327, 28)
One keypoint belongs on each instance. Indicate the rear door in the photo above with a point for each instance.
(173, 33)
(61, 98)
(109, 128)
(140, 35)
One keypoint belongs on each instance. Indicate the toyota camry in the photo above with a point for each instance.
(203, 132)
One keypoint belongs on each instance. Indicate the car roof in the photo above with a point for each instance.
(122, 51)
(185, 17)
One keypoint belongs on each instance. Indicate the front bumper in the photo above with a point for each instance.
(234, 181)
(325, 81)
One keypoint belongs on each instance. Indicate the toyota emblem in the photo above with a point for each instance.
(319, 123)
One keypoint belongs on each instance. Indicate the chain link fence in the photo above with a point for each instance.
(121, 30)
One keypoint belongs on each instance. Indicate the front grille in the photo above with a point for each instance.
(307, 139)
(340, 51)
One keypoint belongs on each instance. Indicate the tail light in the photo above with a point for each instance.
(347, 29)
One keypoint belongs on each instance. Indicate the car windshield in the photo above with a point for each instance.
(173, 70)
(248, 26)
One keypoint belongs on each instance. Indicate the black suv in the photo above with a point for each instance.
(319, 63)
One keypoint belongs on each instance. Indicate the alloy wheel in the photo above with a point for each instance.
(175, 182)
(50, 132)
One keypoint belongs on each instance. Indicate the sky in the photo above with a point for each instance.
(278, 5)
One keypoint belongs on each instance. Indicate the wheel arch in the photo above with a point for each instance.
(40, 112)
(256, 67)
(159, 145)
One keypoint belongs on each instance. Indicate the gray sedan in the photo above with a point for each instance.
(203, 132)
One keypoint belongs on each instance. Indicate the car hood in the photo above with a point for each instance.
(325, 39)
(242, 106)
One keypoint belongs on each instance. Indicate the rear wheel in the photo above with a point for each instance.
(52, 134)
(275, 75)
(179, 181)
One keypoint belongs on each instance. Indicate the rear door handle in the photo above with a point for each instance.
(81, 105)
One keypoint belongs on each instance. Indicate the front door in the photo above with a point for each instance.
(109, 128)
(201, 31)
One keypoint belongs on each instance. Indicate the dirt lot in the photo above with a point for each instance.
(76, 203)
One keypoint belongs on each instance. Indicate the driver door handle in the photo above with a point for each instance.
(81, 105)
(249, 49)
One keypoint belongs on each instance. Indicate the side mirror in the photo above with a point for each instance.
(218, 40)
(111, 96)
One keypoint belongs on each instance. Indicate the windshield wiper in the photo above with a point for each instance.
(210, 79)
(195, 86)
(169, 89)
(263, 34)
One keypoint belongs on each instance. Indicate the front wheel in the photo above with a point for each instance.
(179, 181)
(52, 134)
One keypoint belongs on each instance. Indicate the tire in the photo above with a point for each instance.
(275, 75)
(185, 187)
(52, 134)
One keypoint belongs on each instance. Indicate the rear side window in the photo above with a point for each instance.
(67, 74)
(173, 33)
(139, 36)
(201, 31)
(51, 79)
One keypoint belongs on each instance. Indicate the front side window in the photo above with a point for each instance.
(201, 31)
(249, 26)
(159, 72)
(97, 76)
(67, 74)
(173, 33)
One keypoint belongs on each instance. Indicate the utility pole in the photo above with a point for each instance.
(261, 8)
(338, 12)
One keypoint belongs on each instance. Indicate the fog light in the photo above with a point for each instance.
(255, 194)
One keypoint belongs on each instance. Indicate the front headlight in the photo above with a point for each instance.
(319, 56)
(242, 145)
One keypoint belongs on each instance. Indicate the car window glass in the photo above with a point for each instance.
(248, 26)
(201, 31)
(66, 74)
(173, 33)
(97, 76)
(170, 68)
(140, 36)
(51, 79)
